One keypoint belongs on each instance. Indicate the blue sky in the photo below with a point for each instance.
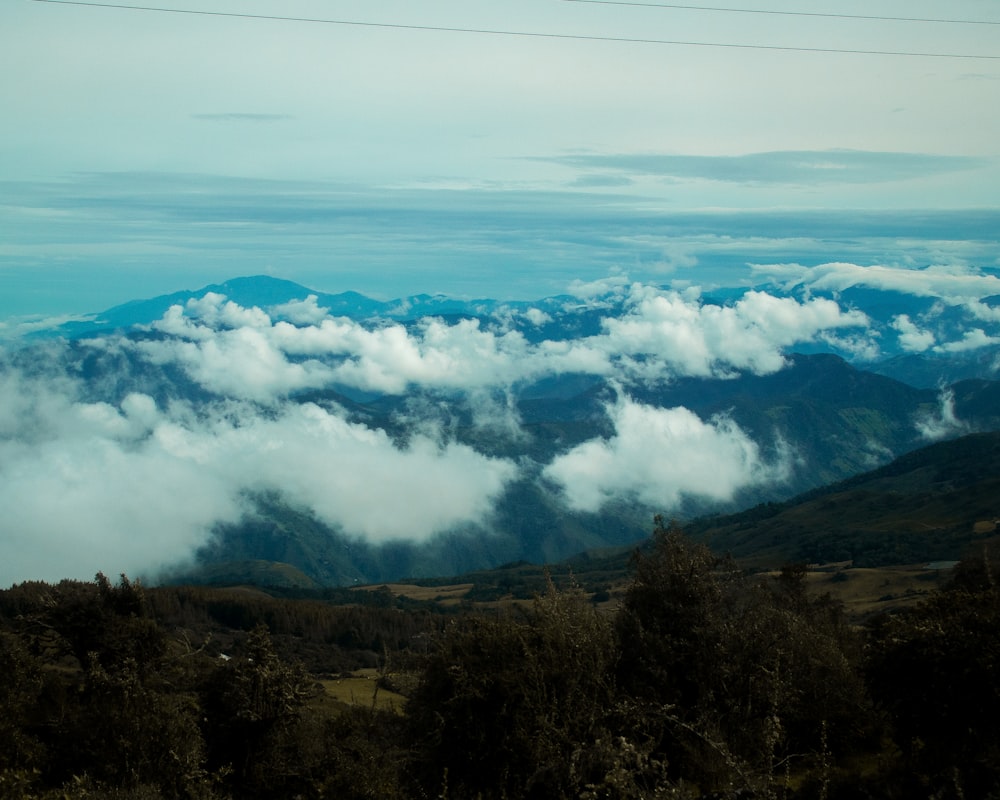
(144, 152)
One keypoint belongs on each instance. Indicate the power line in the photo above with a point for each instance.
(526, 34)
(869, 17)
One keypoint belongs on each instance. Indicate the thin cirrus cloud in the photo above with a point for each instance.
(241, 116)
(496, 240)
(779, 167)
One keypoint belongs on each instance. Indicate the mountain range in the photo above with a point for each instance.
(346, 391)
(569, 318)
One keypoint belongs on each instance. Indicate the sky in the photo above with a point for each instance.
(642, 152)
(484, 149)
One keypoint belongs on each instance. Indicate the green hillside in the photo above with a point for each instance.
(928, 505)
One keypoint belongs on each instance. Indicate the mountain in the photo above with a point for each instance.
(836, 417)
(932, 504)
(928, 505)
(261, 291)
(836, 421)
(529, 525)
(333, 439)
(933, 370)
(265, 292)
(567, 318)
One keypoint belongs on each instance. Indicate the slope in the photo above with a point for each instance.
(928, 505)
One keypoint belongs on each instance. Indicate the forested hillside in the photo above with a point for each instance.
(703, 681)
(930, 504)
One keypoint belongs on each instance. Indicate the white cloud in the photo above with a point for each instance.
(684, 337)
(613, 285)
(943, 422)
(912, 338)
(19, 326)
(537, 317)
(301, 312)
(215, 310)
(971, 340)
(242, 363)
(27, 406)
(984, 311)
(659, 456)
(89, 489)
(659, 335)
(356, 478)
(94, 486)
(105, 470)
(862, 346)
(956, 285)
(137, 486)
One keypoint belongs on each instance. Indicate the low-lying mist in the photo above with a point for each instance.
(124, 452)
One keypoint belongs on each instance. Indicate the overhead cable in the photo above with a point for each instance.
(527, 34)
(829, 15)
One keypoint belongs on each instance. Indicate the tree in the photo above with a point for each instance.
(668, 628)
(19, 690)
(252, 706)
(933, 669)
(737, 675)
(508, 706)
(131, 732)
(115, 623)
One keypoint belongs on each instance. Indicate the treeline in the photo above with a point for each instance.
(705, 682)
(345, 631)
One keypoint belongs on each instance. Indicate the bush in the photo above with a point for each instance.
(506, 704)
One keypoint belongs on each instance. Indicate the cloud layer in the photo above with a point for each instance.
(806, 167)
(94, 239)
(955, 285)
(94, 486)
(660, 456)
(123, 452)
(244, 353)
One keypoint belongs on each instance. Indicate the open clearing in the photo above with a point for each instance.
(447, 595)
(864, 591)
(361, 689)
(868, 591)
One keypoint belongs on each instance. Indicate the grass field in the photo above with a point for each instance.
(361, 689)
(865, 591)
(446, 595)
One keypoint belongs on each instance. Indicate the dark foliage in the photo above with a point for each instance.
(934, 671)
(703, 682)
(509, 705)
(749, 675)
(923, 506)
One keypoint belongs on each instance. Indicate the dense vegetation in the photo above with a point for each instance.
(703, 682)
(928, 505)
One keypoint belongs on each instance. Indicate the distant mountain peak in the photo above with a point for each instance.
(258, 282)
